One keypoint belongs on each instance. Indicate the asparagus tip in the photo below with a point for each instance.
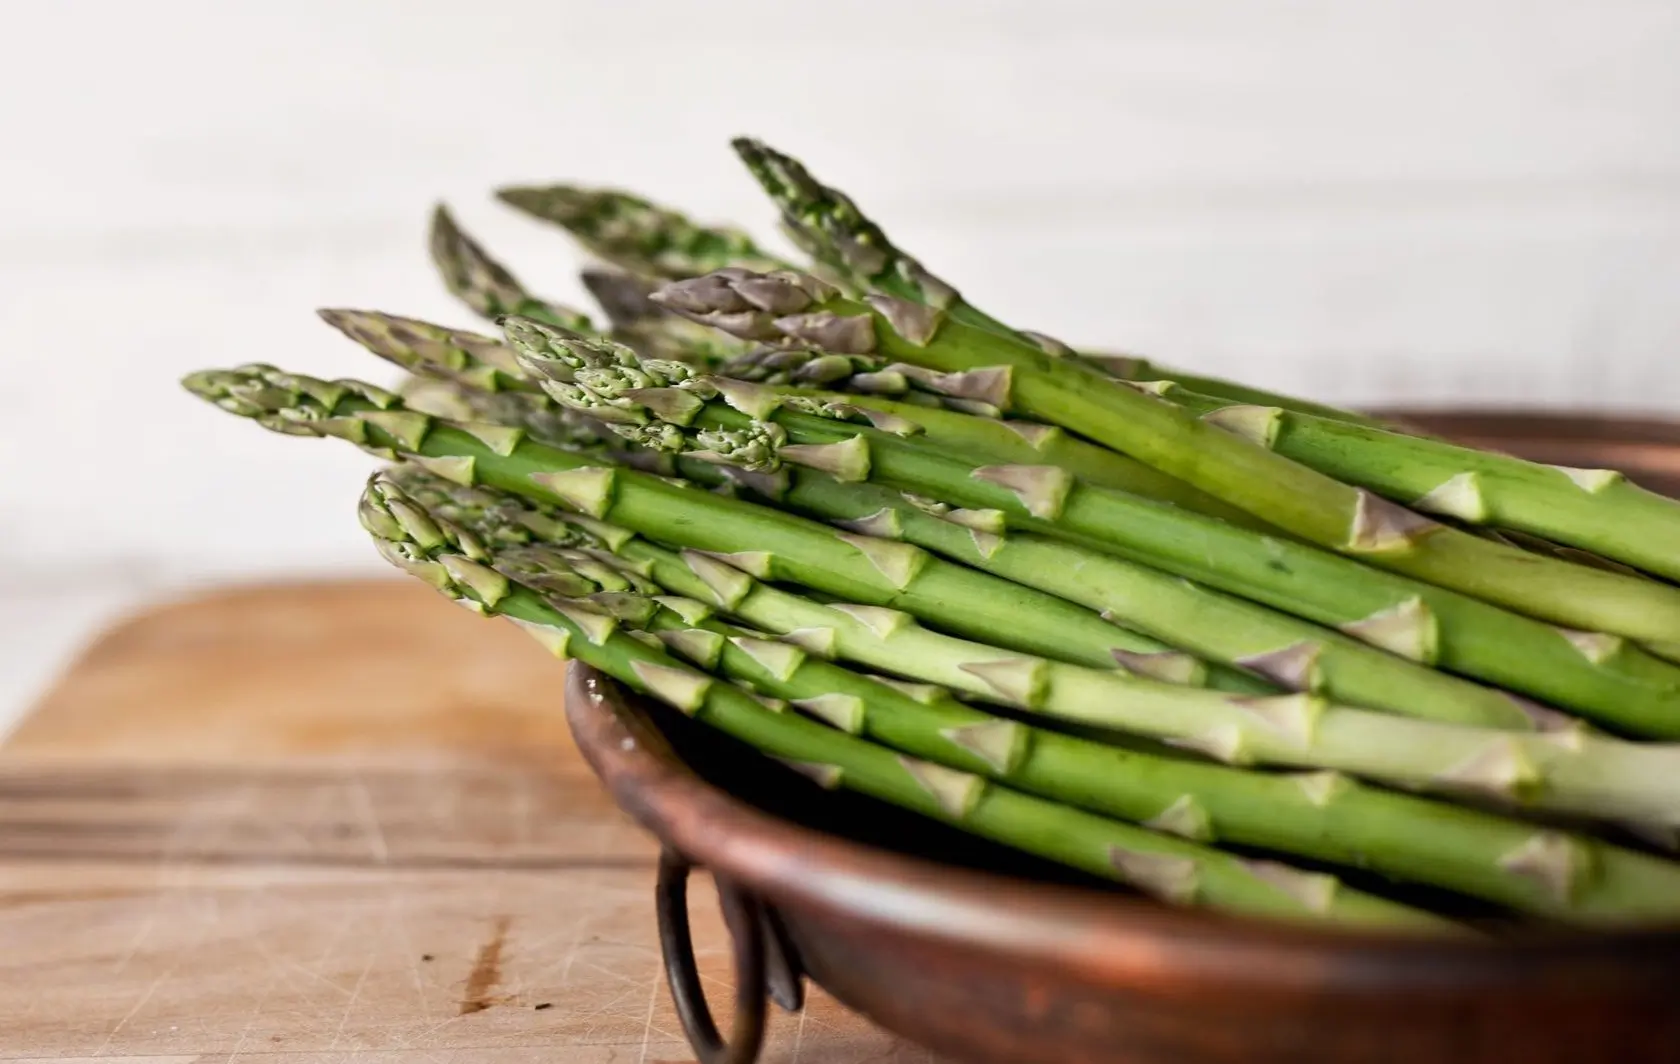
(624, 297)
(522, 197)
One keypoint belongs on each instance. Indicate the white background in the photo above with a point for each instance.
(1452, 200)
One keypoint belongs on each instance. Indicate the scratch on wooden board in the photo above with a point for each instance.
(486, 971)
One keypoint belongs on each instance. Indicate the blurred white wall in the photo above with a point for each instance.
(1452, 200)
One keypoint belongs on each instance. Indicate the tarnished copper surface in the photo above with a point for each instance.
(996, 967)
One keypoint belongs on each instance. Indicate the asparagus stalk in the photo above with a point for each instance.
(852, 567)
(656, 242)
(1574, 773)
(490, 289)
(1173, 869)
(515, 397)
(480, 362)
(1323, 816)
(549, 422)
(1666, 651)
(471, 359)
(1294, 654)
(434, 349)
(1215, 628)
(1596, 510)
(1216, 459)
(637, 236)
(1591, 776)
(1192, 626)
(991, 439)
(465, 377)
(1606, 679)
(484, 284)
(830, 228)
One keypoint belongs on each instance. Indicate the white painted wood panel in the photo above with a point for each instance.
(1430, 200)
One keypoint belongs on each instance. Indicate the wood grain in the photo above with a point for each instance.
(330, 822)
(371, 670)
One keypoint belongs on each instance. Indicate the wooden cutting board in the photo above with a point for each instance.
(329, 822)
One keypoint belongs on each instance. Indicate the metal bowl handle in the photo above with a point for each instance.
(764, 966)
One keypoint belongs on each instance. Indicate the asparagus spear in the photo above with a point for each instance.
(829, 227)
(1615, 686)
(637, 236)
(853, 567)
(1173, 869)
(1576, 773)
(1324, 816)
(490, 289)
(1294, 654)
(427, 350)
(1666, 651)
(1590, 776)
(1283, 651)
(991, 439)
(1238, 635)
(484, 284)
(1581, 775)
(549, 422)
(1597, 510)
(1607, 680)
(653, 241)
(478, 361)
(1223, 463)
(1214, 627)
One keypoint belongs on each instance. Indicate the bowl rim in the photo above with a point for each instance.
(1068, 928)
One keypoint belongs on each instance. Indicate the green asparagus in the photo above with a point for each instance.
(639, 322)
(1322, 815)
(850, 566)
(637, 236)
(1164, 629)
(1219, 460)
(828, 226)
(1597, 510)
(1591, 776)
(434, 350)
(1294, 654)
(1170, 868)
(484, 284)
(988, 437)
(1624, 687)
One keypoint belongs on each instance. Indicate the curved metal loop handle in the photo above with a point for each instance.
(783, 977)
(746, 921)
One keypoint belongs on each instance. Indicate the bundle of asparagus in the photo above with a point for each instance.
(1172, 631)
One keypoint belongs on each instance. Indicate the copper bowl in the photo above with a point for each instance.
(981, 954)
